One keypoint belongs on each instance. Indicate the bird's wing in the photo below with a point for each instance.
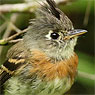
(9, 68)
(16, 58)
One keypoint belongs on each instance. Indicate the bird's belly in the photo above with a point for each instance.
(55, 87)
(38, 87)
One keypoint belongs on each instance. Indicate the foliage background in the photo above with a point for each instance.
(81, 12)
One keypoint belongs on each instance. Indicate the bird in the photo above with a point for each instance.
(44, 62)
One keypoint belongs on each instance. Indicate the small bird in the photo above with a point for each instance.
(44, 62)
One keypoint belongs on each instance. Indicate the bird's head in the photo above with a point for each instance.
(52, 32)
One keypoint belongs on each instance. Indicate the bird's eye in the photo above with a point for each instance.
(54, 35)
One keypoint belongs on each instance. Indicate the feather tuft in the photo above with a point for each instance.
(53, 8)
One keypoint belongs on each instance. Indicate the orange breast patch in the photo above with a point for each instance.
(47, 69)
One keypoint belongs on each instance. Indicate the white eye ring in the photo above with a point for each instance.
(48, 35)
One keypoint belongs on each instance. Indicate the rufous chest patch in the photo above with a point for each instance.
(47, 70)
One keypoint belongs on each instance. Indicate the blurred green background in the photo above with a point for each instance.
(76, 11)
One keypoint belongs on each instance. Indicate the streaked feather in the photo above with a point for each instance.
(9, 67)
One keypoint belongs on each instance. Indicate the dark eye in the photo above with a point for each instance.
(54, 35)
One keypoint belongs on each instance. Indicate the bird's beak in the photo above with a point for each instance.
(75, 33)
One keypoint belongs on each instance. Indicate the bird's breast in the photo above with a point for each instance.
(47, 69)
